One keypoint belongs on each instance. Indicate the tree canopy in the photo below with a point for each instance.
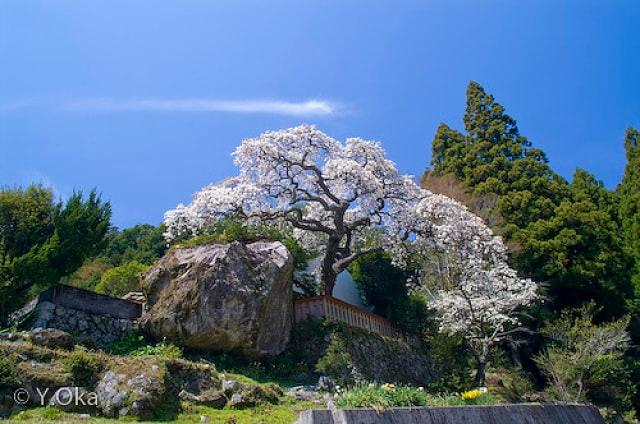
(42, 241)
(564, 235)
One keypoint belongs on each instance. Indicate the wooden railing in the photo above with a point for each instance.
(332, 309)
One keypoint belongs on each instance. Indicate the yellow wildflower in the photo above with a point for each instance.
(471, 394)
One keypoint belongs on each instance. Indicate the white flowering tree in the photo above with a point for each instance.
(333, 195)
(344, 200)
(475, 292)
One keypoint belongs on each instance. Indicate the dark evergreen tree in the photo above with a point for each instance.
(41, 242)
(629, 191)
(562, 235)
(579, 251)
(142, 243)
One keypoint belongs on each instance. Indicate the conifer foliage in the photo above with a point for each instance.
(565, 235)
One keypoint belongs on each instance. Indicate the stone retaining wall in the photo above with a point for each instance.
(99, 330)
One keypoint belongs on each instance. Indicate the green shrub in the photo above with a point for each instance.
(83, 368)
(452, 360)
(128, 344)
(384, 396)
(122, 279)
(515, 386)
(9, 372)
(585, 359)
(389, 395)
(336, 362)
(160, 349)
(309, 341)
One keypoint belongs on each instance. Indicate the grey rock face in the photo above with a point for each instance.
(236, 400)
(110, 397)
(230, 297)
(211, 398)
(12, 337)
(231, 386)
(138, 396)
(306, 393)
(52, 338)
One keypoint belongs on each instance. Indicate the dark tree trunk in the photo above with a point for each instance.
(328, 283)
(327, 273)
(481, 368)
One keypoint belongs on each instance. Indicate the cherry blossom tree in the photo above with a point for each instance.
(340, 199)
(471, 285)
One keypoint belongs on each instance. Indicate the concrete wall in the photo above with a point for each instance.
(499, 414)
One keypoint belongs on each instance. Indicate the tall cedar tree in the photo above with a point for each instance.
(629, 191)
(564, 235)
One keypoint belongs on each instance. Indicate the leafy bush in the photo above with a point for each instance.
(9, 372)
(384, 396)
(452, 360)
(585, 361)
(83, 368)
(309, 339)
(122, 279)
(88, 275)
(336, 361)
(515, 386)
(384, 287)
(389, 395)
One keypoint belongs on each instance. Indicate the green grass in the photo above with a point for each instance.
(285, 413)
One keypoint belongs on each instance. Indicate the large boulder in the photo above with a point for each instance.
(222, 297)
(51, 337)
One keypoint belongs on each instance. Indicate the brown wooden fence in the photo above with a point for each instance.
(333, 309)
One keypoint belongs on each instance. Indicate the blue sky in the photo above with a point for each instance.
(146, 100)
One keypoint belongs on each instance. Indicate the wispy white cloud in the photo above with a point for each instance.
(277, 107)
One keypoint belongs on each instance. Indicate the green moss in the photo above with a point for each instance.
(9, 372)
(53, 374)
(83, 368)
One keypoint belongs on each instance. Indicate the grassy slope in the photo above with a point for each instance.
(55, 374)
(287, 412)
